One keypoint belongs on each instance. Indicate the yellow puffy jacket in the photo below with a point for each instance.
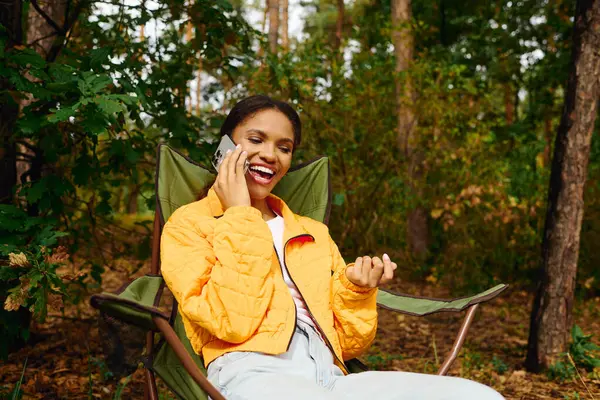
(223, 270)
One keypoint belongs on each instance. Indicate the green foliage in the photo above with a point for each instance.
(29, 281)
(121, 387)
(17, 393)
(378, 362)
(583, 352)
(561, 371)
(499, 366)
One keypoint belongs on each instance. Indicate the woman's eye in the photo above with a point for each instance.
(254, 140)
(285, 149)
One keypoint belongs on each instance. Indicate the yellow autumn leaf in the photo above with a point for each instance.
(18, 260)
(436, 213)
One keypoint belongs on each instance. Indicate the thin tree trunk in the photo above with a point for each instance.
(189, 29)
(47, 26)
(10, 17)
(548, 138)
(199, 86)
(402, 37)
(339, 25)
(132, 204)
(273, 24)
(509, 105)
(285, 40)
(551, 317)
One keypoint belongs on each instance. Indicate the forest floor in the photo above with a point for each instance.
(65, 359)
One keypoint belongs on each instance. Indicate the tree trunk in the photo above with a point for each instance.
(189, 34)
(10, 17)
(199, 86)
(132, 203)
(402, 37)
(285, 40)
(509, 105)
(339, 25)
(548, 138)
(47, 25)
(551, 317)
(273, 24)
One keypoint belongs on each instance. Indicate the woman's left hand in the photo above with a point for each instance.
(367, 272)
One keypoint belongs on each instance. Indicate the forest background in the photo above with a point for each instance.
(439, 118)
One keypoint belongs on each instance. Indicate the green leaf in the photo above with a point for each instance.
(27, 57)
(338, 199)
(64, 113)
(95, 122)
(99, 56)
(31, 123)
(109, 106)
(576, 333)
(93, 83)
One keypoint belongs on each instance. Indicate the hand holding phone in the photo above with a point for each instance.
(224, 145)
(230, 185)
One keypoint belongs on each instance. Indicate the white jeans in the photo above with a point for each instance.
(307, 371)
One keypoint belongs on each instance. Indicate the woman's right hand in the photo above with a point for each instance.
(230, 185)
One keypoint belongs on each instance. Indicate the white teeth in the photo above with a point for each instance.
(262, 169)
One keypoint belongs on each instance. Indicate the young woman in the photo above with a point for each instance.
(264, 294)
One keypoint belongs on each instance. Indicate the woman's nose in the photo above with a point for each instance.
(267, 153)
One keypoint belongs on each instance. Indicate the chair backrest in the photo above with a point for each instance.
(306, 190)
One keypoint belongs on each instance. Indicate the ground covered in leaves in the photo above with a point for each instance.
(65, 361)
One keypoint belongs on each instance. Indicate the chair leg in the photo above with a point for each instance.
(458, 342)
(150, 390)
(186, 359)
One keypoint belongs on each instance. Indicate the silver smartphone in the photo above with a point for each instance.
(225, 144)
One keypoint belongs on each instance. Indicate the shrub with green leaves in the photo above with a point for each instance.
(29, 281)
(583, 353)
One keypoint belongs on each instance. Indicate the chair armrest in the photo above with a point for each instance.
(420, 306)
(135, 303)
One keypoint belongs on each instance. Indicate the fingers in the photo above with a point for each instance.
(354, 273)
(241, 165)
(223, 170)
(371, 272)
(388, 269)
(376, 272)
(233, 160)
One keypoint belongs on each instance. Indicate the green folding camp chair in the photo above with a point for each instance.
(136, 329)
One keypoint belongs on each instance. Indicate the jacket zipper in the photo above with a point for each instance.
(295, 310)
(307, 308)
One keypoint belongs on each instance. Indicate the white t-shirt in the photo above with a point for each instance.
(276, 225)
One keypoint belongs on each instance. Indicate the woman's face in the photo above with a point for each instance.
(268, 137)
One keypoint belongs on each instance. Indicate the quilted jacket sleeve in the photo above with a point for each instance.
(354, 309)
(224, 287)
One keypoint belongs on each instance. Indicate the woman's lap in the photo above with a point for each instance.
(396, 385)
(307, 371)
(384, 385)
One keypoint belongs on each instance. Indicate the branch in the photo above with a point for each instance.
(28, 145)
(25, 156)
(49, 20)
(42, 38)
(67, 9)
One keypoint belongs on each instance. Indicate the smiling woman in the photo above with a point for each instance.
(264, 294)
